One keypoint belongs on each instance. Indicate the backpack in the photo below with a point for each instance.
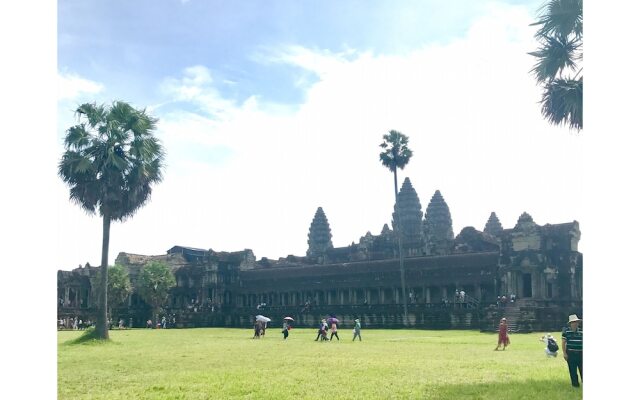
(552, 345)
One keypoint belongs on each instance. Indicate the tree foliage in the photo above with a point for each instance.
(111, 160)
(559, 59)
(154, 283)
(119, 287)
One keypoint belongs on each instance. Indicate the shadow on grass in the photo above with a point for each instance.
(89, 336)
(560, 389)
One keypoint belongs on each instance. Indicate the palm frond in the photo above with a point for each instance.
(562, 102)
(560, 18)
(554, 56)
(94, 114)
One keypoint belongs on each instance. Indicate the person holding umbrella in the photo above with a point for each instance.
(257, 328)
(261, 325)
(334, 327)
(286, 327)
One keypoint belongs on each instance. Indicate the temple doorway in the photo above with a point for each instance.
(526, 285)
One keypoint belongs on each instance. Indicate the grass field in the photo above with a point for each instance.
(219, 363)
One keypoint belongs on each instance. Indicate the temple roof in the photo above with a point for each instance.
(473, 261)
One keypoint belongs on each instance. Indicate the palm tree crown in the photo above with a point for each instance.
(558, 67)
(111, 159)
(396, 152)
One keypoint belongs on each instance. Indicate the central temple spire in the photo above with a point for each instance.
(409, 212)
(319, 237)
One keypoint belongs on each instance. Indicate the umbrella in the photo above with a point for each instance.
(332, 320)
(288, 318)
(263, 318)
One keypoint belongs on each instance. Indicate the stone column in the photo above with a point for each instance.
(427, 294)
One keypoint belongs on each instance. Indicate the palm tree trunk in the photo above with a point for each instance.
(102, 327)
(405, 319)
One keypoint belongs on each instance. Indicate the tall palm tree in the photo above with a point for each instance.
(111, 159)
(558, 67)
(396, 155)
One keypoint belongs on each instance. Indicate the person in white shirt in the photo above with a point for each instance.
(546, 339)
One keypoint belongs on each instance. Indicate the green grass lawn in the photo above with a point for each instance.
(220, 363)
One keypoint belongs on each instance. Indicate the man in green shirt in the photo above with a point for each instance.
(572, 349)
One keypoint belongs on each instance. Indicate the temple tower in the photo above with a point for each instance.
(493, 225)
(438, 228)
(408, 212)
(319, 237)
(525, 223)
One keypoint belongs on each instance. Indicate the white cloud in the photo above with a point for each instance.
(469, 107)
(196, 86)
(71, 86)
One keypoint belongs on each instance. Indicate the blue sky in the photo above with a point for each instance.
(129, 46)
(269, 110)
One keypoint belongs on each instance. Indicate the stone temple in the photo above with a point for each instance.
(539, 264)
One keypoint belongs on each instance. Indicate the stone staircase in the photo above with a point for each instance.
(512, 314)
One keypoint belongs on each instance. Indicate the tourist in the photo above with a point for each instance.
(149, 324)
(503, 336)
(504, 300)
(130, 323)
(334, 330)
(322, 331)
(285, 329)
(462, 296)
(121, 323)
(257, 329)
(550, 345)
(164, 322)
(498, 302)
(356, 330)
(513, 297)
(572, 349)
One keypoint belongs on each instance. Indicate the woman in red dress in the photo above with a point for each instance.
(503, 337)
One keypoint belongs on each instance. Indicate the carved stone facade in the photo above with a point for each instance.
(540, 265)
